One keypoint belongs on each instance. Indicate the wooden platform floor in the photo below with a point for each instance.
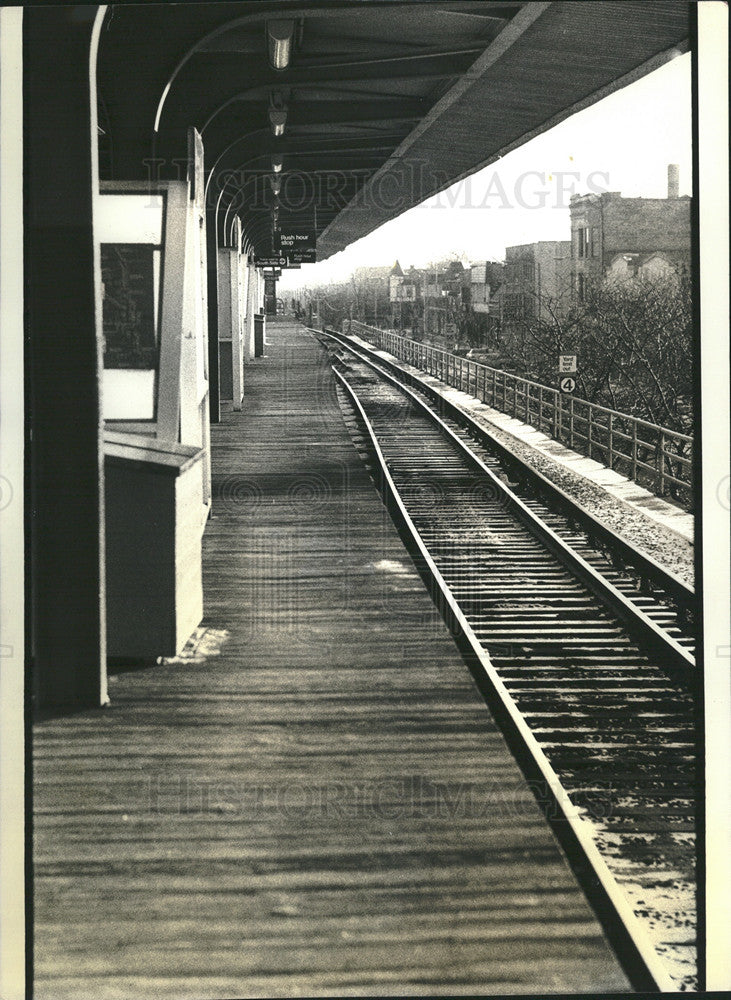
(313, 800)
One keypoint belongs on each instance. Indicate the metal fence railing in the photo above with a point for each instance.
(655, 457)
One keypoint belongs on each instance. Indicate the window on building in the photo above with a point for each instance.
(514, 306)
(582, 242)
(580, 287)
(594, 242)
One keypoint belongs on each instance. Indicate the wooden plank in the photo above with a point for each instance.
(313, 797)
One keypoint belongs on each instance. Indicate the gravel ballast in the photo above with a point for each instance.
(674, 552)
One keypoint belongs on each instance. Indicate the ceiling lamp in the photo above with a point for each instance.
(278, 119)
(277, 163)
(279, 43)
(278, 110)
(276, 183)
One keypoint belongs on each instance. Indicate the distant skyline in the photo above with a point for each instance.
(622, 143)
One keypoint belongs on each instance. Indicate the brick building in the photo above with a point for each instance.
(536, 280)
(616, 236)
(486, 278)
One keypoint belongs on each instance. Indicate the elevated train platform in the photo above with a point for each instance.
(261, 765)
(313, 799)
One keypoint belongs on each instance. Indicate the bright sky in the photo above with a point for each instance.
(623, 143)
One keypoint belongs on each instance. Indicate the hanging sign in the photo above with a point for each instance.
(300, 248)
(278, 261)
(296, 241)
(303, 256)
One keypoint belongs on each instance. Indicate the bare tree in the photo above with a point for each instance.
(634, 341)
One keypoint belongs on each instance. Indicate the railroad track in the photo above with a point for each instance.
(583, 650)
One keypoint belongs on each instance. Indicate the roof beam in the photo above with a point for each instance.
(333, 78)
(516, 90)
(344, 8)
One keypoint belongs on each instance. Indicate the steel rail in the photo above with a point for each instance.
(647, 567)
(635, 952)
(602, 425)
(673, 655)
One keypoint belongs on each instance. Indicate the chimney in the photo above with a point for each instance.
(672, 180)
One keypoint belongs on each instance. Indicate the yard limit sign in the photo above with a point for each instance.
(567, 372)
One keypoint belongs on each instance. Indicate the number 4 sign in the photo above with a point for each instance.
(567, 384)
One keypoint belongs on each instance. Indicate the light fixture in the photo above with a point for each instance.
(278, 119)
(276, 183)
(279, 43)
(277, 111)
(277, 163)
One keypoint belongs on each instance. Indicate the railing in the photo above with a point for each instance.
(654, 457)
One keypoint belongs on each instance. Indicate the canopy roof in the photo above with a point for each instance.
(387, 101)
